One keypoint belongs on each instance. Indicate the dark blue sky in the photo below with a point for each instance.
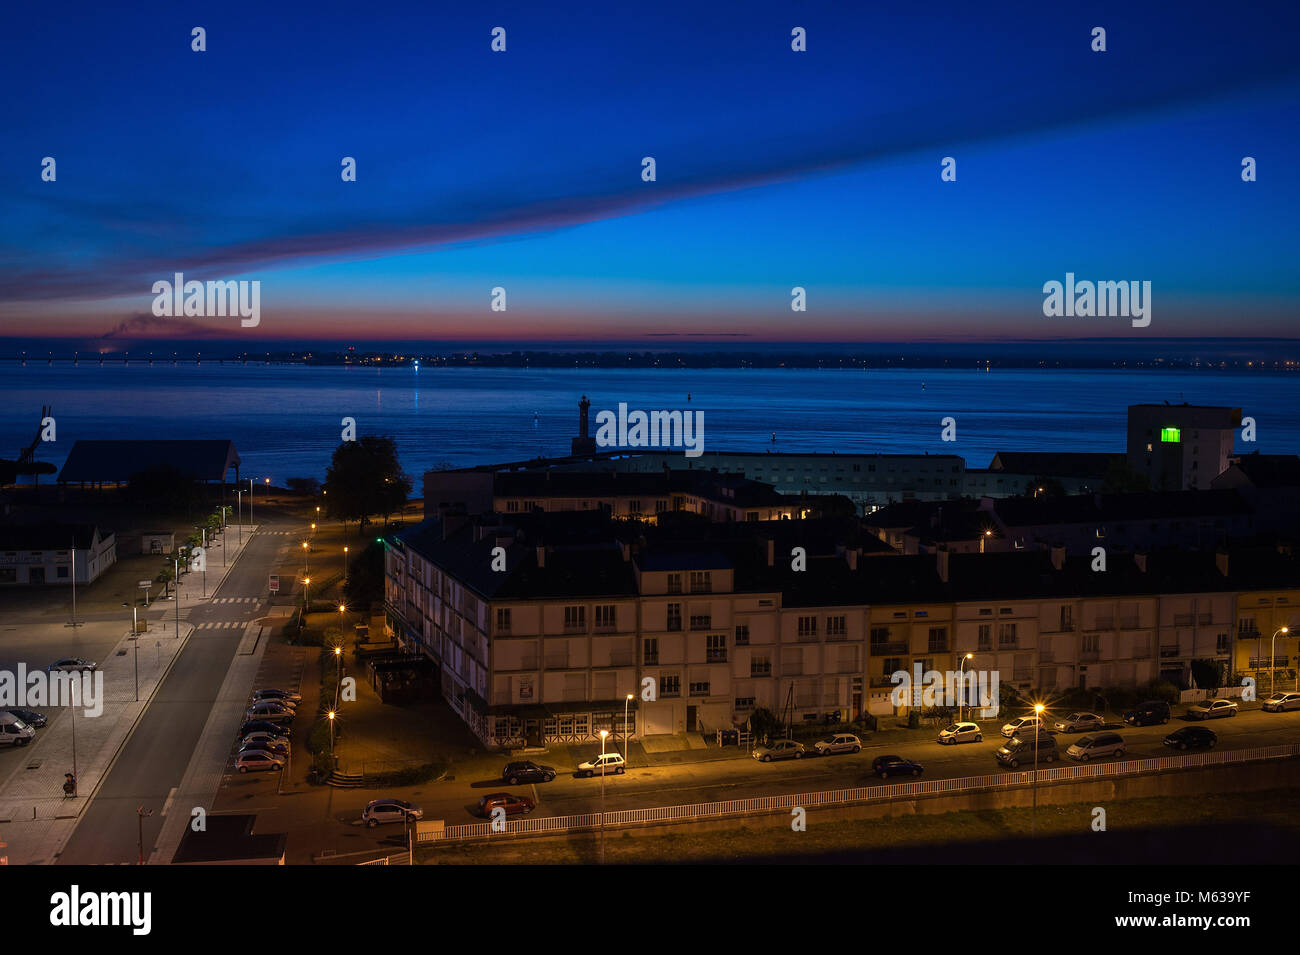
(522, 169)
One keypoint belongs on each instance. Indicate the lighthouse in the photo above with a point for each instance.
(584, 443)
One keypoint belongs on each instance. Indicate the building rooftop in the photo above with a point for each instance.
(114, 462)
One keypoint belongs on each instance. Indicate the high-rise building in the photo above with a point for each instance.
(1180, 447)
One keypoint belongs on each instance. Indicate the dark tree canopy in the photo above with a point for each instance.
(364, 586)
(365, 478)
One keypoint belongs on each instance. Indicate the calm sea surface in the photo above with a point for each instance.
(285, 419)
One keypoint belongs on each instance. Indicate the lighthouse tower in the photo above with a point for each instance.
(584, 443)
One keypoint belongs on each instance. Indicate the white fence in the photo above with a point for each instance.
(881, 793)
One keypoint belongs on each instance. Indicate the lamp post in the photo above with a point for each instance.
(250, 500)
(239, 500)
(176, 576)
(135, 636)
(306, 598)
(987, 535)
(345, 563)
(331, 716)
(961, 677)
(1272, 658)
(1038, 711)
(627, 756)
(142, 814)
(603, 734)
(306, 559)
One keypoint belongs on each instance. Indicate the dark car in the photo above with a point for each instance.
(512, 804)
(275, 749)
(265, 726)
(30, 717)
(1192, 737)
(526, 772)
(886, 766)
(1148, 713)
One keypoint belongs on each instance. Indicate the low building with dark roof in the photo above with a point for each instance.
(113, 462)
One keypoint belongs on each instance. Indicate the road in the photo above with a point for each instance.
(157, 753)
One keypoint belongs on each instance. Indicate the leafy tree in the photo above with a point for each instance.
(365, 478)
(365, 584)
(306, 486)
(1208, 673)
(764, 723)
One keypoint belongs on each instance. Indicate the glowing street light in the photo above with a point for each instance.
(331, 716)
(603, 735)
(1272, 658)
(961, 671)
(1038, 712)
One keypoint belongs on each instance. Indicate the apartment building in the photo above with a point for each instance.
(1180, 447)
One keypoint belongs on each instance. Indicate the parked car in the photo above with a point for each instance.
(1021, 749)
(265, 736)
(779, 749)
(1192, 737)
(525, 771)
(13, 731)
(72, 665)
(379, 811)
(279, 750)
(287, 704)
(886, 766)
(274, 694)
(1148, 713)
(257, 761)
(612, 763)
(1024, 724)
(1277, 703)
(30, 717)
(1101, 744)
(261, 726)
(512, 804)
(1079, 723)
(961, 733)
(1212, 709)
(270, 711)
(839, 743)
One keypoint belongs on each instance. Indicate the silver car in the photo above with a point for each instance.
(779, 749)
(961, 733)
(1100, 744)
(1281, 702)
(1212, 710)
(839, 743)
(1079, 723)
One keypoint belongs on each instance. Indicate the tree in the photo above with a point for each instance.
(365, 478)
(763, 724)
(1208, 673)
(365, 584)
(306, 486)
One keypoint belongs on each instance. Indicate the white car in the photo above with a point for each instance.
(839, 743)
(1212, 709)
(961, 733)
(389, 810)
(1023, 725)
(72, 665)
(262, 736)
(1281, 702)
(608, 764)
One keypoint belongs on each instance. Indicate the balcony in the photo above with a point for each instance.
(839, 636)
(893, 648)
(808, 636)
(1168, 653)
(1264, 663)
(575, 628)
(715, 656)
(1184, 619)
(760, 669)
(652, 659)
(878, 682)
(1089, 656)
(1105, 623)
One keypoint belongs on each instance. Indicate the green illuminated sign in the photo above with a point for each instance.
(1170, 435)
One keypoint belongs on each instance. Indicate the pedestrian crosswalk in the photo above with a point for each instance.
(221, 625)
(235, 600)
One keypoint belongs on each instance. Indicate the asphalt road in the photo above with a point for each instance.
(156, 755)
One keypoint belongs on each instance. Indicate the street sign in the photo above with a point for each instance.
(144, 584)
(275, 583)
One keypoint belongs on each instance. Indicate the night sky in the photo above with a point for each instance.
(522, 169)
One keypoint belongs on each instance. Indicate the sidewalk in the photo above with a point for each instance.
(36, 818)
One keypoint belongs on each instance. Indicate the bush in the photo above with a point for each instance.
(407, 777)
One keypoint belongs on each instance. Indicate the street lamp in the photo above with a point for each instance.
(306, 558)
(961, 677)
(135, 636)
(1038, 712)
(603, 734)
(626, 731)
(142, 814)
(1272, 658)
(239, 500)
(306, 599)
(345, 563)
(987, 535)
(331, 715)
(338, 658)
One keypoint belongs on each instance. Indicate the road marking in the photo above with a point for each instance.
(167, 805)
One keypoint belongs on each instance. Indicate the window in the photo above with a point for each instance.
(938, 639)
(605, 617)
(670, 685)
(715, 648)
(1067, 617)
(701, 582)
(1221, 644)
(701, 621)
(879, 634)
(634, 507)
(700, 689)
(744, 703)
(575, 618)
(985, 637)
(742, 635)
(1006, 635)
(61, 571)
(674, 617)
(807, 626)
(651, 648)
(674, 583)
(760, 665)
(661, 506)
(1091, 643)
(1170, 435)
(836, 626)
(503, 620)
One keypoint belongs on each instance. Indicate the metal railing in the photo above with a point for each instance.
(738, 807)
